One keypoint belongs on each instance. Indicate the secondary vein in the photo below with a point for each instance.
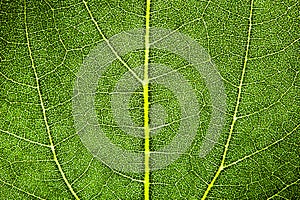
(109, 44)
(234, 118)
(44, 110)
(146, 105)
(21, 190)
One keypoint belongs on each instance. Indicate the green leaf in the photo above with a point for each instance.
(253, 49)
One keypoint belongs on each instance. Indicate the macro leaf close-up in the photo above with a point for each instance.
(153, 99)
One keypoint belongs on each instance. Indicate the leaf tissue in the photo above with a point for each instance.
(149, 99)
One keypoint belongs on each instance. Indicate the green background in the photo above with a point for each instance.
(62, 33)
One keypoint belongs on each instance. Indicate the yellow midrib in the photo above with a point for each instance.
(146, 106)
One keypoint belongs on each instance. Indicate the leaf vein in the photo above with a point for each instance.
(43, 107)
(234, 118)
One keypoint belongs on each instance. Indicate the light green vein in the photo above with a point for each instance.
(43, 108)
(109, 45)
(276, 52)
(277, 194)
(16, 82)
(25, 139)
(272, 104)
(21, 190)
(263, 149)
(234, 118)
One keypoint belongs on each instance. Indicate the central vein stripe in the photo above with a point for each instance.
(146, 105)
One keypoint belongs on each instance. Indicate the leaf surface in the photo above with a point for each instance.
(255, 48)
